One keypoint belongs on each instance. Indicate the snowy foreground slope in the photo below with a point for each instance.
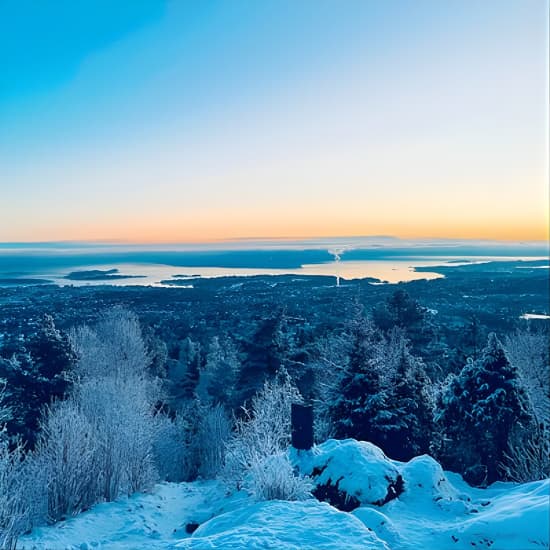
(435, 510)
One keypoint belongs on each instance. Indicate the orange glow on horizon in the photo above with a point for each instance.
(180, 234)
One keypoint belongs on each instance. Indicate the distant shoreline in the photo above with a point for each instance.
(376, 271)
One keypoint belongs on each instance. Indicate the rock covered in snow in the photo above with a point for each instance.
(349, 473)
(306, 525)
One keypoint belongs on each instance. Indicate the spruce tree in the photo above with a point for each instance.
(478, 411)
(408, 405)
(360, 398)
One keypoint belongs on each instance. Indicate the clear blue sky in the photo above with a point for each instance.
(195, 120)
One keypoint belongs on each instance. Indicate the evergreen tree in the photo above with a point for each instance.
(356, 411)
(478, 412)
(408, 409)
(35, 377)
(399, 310)
(218, 376)
(52, 357)
(403, 312)
(265, 353)
(189, 362)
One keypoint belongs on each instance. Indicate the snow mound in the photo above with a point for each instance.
(306, 525)
(514, 519)
(423, 472)
(452, 515)
(426, 482)
(381, 524)
(349, 473)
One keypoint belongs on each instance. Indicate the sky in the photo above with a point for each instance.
(198, 120)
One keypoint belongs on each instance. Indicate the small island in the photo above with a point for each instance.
(99, 275)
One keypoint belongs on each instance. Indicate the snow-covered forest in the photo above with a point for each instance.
(274, 274)
(99, 412)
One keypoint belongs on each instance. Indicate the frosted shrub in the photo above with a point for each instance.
(96, 445)
(113, 347)
(117, 395)
(14, 507)
(264, 430)
(170, 448)
(69, 455)
(124, 424)
(274, 479)
(34, 490)
(213, 432)
(22, 487)
(528, 352)
(528, 456)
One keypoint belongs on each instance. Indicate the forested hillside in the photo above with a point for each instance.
(124, 388)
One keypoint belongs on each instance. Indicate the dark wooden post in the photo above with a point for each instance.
(302, 426)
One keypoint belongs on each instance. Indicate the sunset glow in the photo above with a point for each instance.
(199, 121)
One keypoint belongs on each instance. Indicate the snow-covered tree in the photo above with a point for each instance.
(328, 362)
(36, 375)
(266, 352)
(477, 413)
(217, 378)
(117, 395)
(528, 351)
(385, 394)
(408, 408)
(113, 347)
(356, 409)
(183, 373)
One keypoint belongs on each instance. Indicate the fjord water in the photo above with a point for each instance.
(383, 259)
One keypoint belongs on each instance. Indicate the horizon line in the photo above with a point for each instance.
(260, 239)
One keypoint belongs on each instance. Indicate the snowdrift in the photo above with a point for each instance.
(285, 526)
(395, 505)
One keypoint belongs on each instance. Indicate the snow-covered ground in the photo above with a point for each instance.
(436, 510)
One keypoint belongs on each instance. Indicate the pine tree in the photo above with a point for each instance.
(478, 412)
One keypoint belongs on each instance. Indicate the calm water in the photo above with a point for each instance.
(388, 271)
(386, 259)
(392, 271)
